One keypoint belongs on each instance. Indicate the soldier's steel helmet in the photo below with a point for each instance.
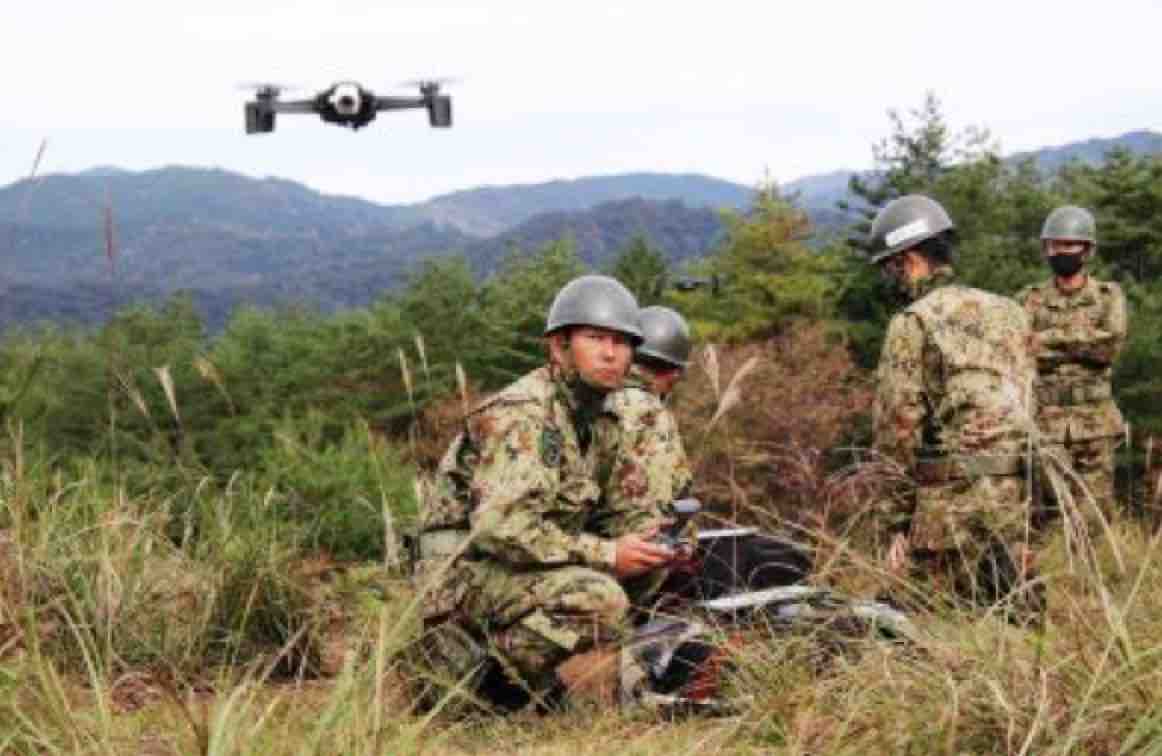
(598, 301)
(905, 222)
(667, 337)
(1070, 223)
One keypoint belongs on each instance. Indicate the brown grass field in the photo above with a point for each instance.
(129, 624)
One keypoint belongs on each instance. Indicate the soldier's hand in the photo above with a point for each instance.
(637, 556)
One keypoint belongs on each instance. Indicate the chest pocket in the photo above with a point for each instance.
(1082, 311)
(578, 493)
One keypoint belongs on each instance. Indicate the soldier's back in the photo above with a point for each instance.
(978, 368)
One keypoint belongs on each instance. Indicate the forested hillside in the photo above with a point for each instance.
(678, 232)
(487, 211)
(77, 248)
(70, 275)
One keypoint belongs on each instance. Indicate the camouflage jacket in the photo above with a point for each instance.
(518, 479)
(955, 378)
(648, 467)
(1079, 335)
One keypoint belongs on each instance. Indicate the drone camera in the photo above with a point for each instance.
(346, 99)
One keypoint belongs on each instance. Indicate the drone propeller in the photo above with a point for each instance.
(432, 84)
(267, 88)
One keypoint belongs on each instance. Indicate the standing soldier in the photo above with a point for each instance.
(953, 408)
(512, 552)
(1080, 327)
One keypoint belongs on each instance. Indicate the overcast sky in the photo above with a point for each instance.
(559, 90)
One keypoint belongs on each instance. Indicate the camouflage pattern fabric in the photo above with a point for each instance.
(954, 393)
(1078, 337)
(962, 515)
(640, 377)
(647, 464)
(518, 478)
(517, 498)
(1093, 465)
(535, 620)
(644, 468)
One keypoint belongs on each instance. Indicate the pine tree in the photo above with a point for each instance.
(514, 303)
(642, 268)
(914, 158)
(767, 277)
(1127, 197)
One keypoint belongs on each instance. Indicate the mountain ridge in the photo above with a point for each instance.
(236, 239)
(510, 205)
(212, 196)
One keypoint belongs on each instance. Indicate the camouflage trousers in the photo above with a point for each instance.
(969, 539)
(1093, 462)
(534, 620)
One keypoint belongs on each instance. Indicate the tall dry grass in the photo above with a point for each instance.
(129, 624)
(766, 425)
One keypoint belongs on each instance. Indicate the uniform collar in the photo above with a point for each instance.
(583, 404)
(1085, 288)
(938, 278)
(639, 377)
(1081, 296)
(581, 399)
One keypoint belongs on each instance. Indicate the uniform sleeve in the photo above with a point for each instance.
(1097, 342)
(900, 408)
(513, 489)
(648, 470)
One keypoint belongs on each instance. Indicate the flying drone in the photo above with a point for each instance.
(345, 103)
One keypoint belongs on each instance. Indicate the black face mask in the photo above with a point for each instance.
(896, 289)
(1065, 266)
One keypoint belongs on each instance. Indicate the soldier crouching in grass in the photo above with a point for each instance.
(1080, 326)
(514, 549)
(647, 464)
(953, 407)
(649, 467)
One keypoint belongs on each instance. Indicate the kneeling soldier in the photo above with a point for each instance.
(517, 510)
(649, 468)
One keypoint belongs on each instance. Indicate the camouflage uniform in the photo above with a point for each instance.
(643, 469)
(521, 486)
(1078, 336)
(648, 464)
(953, 407)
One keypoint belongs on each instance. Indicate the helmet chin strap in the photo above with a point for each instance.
(565, 369)
(561, 358)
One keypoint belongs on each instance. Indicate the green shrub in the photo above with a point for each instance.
(349, 494)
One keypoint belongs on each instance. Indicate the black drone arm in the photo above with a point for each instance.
(293, 106)
(439, 107)
(399, 103)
